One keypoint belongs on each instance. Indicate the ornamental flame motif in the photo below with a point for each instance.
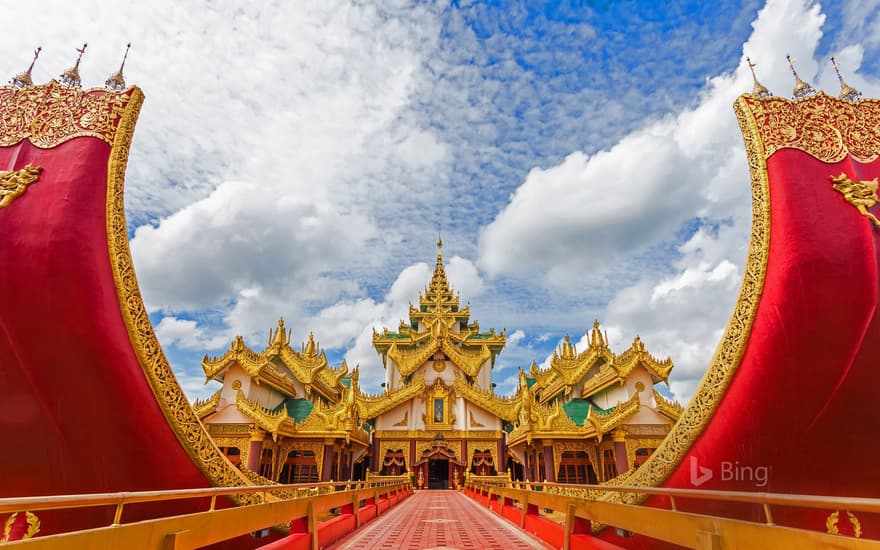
(13, 184)
(861, 194)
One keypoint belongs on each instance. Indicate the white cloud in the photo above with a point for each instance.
(186, 334)
(592, 212)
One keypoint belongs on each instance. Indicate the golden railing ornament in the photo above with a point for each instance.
(861, 194)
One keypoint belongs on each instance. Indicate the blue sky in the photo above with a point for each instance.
(582, 160)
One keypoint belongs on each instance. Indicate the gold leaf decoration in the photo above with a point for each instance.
(14, 183)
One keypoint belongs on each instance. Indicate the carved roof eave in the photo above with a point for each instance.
(670, 409)
(238, 352)
(276, 423)
(503, 408)
(606, 376)
(553, 423)
(467, 361)
(314, 375)
(408, 361)
(371, 406)
(631, 358)
(206, 407)
(603, 423)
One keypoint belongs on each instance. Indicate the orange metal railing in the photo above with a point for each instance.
(584, 513)
(310, 502)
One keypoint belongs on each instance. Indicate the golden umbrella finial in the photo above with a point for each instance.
(801, 88)
(70, 77)
(23, 80)
(760, 90)
(847, 92)
(115, 81)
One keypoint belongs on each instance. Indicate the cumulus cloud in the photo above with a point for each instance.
(593, 212)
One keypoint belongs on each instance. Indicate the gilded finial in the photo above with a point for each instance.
(847, 92)
(801, 88)
(23, 80)
(760, 90)
(115, 81)
(70, 77)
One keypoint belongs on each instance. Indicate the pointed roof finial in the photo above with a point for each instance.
(801, 88)
(70, 77)
(115, 81)
(23, 80)
(847, 92)
(760, 90)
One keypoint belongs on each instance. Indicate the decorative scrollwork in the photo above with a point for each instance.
(825, 127)
(833, 519)
(51, 114)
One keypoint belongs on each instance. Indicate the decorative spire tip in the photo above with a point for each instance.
(847, 92)
(801, 88)
(115, 81)
(23, 80)
(760, 90)
(71, 77)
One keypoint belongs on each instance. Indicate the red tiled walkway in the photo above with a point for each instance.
(439, 519)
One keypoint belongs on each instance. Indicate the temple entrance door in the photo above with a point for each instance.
(438, 474)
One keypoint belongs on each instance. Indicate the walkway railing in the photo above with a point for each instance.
(356, 501)
(522, 502)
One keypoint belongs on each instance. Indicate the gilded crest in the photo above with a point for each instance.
(33, 527)
(861, 194)
(14, 183)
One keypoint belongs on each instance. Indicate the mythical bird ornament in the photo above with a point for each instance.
(14, 183)
(861, 194)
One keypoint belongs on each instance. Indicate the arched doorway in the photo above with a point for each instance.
(438, 467)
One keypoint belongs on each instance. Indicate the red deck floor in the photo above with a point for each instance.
(439, 520)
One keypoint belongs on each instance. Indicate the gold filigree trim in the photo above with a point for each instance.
(51, 114)
(732, 346)
(861, 194)
(14, 183)
(171, 399)
(205, 407)
(824, 127)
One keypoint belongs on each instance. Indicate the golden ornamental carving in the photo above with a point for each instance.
(668, 408)
(205, 407)
(732, 346)
(371, 406)
(633, 445)
(267, 419)
(51, 114)
(861, 194)
(14, 183)
(243, 444)
(560, 447)
(170, 397)
(504, 408)
(482, 445)
(833, 519)
(824, 127)
(33, 523)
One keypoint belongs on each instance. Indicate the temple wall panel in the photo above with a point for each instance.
(400, 417)
(234, 374)
(478, 418)
(265, 395)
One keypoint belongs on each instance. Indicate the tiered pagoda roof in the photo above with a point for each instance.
(439, 324)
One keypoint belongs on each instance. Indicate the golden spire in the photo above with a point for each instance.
(70, 77)
(279, 338)
(596, 340)
(847, 92)
(23, 80)
(438, 279)
(310, 349)
(801, 88)
(115, 81)
(760, 90)
(567, 348)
